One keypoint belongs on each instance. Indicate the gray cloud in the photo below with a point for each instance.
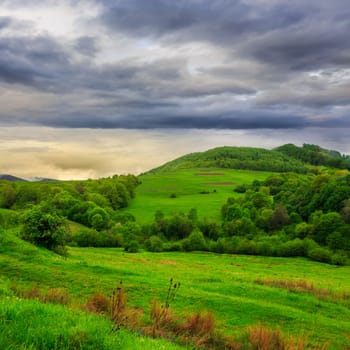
(184, 64)
(220, 20)
(86, 45)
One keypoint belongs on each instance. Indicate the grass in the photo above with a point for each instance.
(31, 325)
(224, 285)
(156, 190)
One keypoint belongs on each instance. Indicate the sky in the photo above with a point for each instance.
(94, 88)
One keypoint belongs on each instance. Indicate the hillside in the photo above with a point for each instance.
(286, 158)
(303, 299)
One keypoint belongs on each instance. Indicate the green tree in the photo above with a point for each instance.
(325, 225)
(43, 226)
(7, 196)
(279, 217)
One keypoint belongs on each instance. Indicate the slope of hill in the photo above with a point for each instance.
(237, 158)
(286, 158)
(241, 291)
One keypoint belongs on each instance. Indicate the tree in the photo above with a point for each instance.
(279, 217)
(195, 241)
(325, 225)
(7, 196)
(44, 227)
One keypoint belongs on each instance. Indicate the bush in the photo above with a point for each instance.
(99, 303)
(295, 247)
(265, 248)
(320, 254)
(154, 244)
(195, 241)
(172, 247)
(339, 259)
(86, 237)
(132, 247)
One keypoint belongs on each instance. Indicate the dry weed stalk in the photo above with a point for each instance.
(118, 305)
(160, 314)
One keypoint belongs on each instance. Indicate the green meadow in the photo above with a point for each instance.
(204, 189)
(227, 285)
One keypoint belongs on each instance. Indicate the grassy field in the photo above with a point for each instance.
(240, 290)
(155, 191)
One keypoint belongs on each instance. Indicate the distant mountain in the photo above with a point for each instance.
(11, 178)
(286, 158)
(40, 179)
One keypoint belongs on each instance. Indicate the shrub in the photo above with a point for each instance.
(295, 247)
(320, 254)
(195, 241)
(200, 325)
(172, 247)
(266, 339)
(339, 259)
(99, 303)
(265, 248)
(57, 296)
(132, 247)
(86, 237)
(154, 244)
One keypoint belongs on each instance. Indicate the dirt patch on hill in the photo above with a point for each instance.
(148, 261)
(224, 183)
(167, 262)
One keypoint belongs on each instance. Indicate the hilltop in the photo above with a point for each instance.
(286, 158)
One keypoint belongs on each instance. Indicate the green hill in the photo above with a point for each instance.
(246, 158)
(286, 158)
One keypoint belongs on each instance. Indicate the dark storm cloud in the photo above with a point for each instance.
(295, 34)
(235, 120)
(215, 20)
(31, 61)
(304, 49)
(86, 45)
(256, 75)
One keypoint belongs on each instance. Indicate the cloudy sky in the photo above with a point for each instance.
(92, 88)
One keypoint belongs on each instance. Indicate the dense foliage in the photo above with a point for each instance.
(238, 158)
(287, 215)
(45, 207)
(315, 155)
